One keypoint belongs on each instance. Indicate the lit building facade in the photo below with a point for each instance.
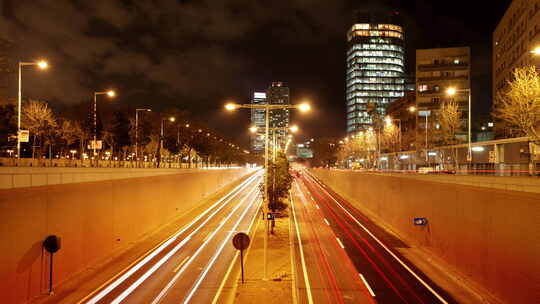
(277, 93)
(258, 120)
(516, 35)
(375, 70)
(437, 70)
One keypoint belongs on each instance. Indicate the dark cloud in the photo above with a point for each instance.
(195, 54)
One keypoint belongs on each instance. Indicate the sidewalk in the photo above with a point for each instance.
(278, 288)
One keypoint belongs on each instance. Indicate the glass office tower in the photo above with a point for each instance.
(375, 71)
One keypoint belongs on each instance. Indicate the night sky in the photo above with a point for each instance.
(198, 54)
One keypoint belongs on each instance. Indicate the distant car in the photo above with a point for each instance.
(425, 170)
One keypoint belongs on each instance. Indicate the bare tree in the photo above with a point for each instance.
(450, 123)
(390, 137)
(519, 106)
(67, 133)
(39, 119)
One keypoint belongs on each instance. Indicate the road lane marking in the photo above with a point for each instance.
(237, 254)
(148, 273)
(302, 258)
(218, 253)
(326, 221)
(175, 278)
(386, 248)
(367, 285)
(181, 263)
(340, 243)
(121, 276)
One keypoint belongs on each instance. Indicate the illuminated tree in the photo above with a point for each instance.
(519, 106)
(39, 119)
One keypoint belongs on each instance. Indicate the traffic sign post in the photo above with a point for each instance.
(241, 242)
(52, 244)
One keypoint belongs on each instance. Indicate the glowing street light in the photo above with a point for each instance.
(294, 129)
(304, 107)
(253, 129)
(42, 64)
(231, 106)
(536, 51)
(412, 109)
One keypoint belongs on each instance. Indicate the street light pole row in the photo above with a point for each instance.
(303, 107)
(42, 65)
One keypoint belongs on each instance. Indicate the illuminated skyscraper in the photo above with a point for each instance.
(258, 120)
(275, 94)
(375, 68)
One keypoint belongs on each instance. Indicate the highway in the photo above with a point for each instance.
(349, 259)
(189, 266)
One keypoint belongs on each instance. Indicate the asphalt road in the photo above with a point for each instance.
(324, 272)
(189, 266)
(387, 276)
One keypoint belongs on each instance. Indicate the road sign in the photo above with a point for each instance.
(24, 135)
(420, 221)
(241, 242)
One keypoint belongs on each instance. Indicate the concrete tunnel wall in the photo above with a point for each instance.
(490, 236)
(93, 219)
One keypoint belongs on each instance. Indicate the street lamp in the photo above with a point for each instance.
(536, 51)
(303, 107)
(42, 64)
(451, 92)
(109, 93)
(137, 131)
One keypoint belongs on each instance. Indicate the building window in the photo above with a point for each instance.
(456, 61)
(436, 88)
(422, 88)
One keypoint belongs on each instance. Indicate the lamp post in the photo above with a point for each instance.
(451, 92)
(111, 94)
(303, 107)
(171, 119)
(178, 143)
(42, 65)
(137, 132)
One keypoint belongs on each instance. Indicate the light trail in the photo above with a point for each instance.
(218, 252)
(165, 290)
(160, 247)
(382, 245)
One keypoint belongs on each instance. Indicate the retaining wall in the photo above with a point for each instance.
(93, 219)
(491, 236)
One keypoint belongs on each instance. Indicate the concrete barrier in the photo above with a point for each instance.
(13, 177)
(94, 219)
(491, 236)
